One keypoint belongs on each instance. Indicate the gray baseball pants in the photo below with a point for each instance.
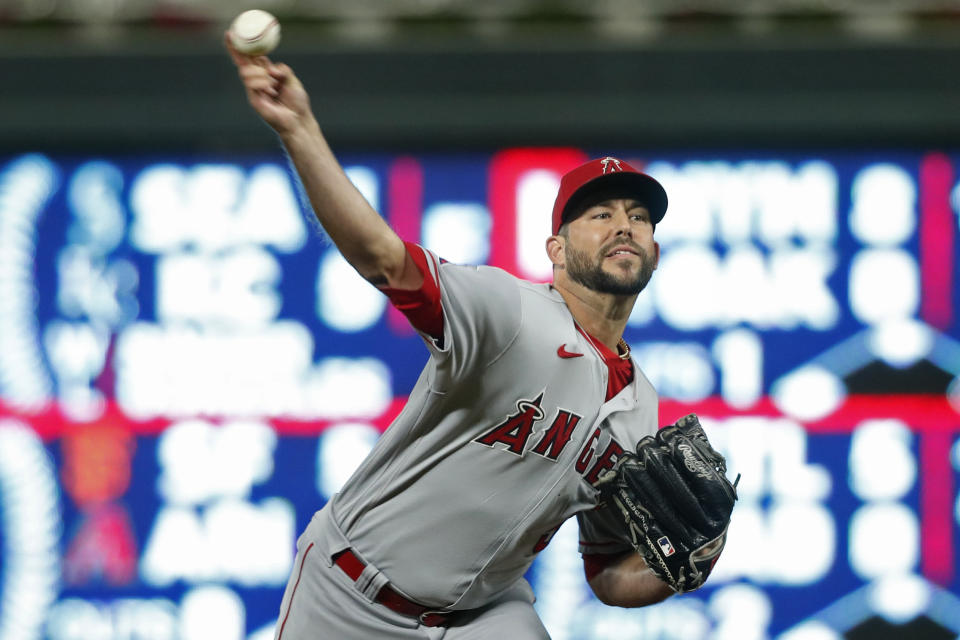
(322, 602)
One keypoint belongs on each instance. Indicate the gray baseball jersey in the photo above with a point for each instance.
(500, 442)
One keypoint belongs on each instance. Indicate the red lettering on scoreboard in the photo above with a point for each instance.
(508, 169)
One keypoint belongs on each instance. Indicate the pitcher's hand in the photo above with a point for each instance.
(273, 91)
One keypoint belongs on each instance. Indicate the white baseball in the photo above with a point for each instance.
(255, 32)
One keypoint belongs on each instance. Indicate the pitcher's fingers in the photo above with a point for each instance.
(262, 102)
(280, 71)
(252, 72)
(241, 59)
(262, 61)
(238, 58)
(267, 85)
(269, 97)
(285, 75)
(256, 80)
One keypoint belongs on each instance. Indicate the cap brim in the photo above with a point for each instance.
(635, 185)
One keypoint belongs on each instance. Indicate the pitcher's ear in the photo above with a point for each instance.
(555, 249)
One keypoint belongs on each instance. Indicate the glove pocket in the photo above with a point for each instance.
(670, 485)
(656, 511)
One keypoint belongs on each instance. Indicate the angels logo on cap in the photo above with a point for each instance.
(607, 173)
(606, 162)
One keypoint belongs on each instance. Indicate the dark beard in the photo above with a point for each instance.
(594, 277)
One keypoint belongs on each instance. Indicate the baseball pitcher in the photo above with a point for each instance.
(528, 411)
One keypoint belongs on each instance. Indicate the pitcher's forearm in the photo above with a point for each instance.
(363, 237)
(629, 583)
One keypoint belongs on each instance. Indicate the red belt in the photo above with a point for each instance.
(353, 567)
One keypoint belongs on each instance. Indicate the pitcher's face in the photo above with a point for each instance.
(610, 248)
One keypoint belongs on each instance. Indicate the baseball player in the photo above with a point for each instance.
(528, 396)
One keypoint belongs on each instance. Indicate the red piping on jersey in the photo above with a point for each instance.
(293, 593)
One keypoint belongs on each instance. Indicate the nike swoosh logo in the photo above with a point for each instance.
(563, 353)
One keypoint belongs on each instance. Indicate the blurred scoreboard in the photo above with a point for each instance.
(189, 369)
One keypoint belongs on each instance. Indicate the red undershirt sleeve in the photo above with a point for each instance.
(422, 306)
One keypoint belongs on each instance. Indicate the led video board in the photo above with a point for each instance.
(189, 369)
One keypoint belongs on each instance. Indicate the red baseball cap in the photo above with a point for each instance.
(607, 173)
